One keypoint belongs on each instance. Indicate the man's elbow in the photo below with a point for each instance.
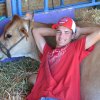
(34, 31)
(98, 32)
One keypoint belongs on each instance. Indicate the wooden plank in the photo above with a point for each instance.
(8, 8)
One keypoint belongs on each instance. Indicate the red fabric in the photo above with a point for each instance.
(66, 22)
(61, 80)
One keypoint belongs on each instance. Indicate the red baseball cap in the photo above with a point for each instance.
(66, 22)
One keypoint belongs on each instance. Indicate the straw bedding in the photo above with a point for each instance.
(14, 78)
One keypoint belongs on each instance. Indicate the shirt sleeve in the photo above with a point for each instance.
(46, 49)
(80, 46)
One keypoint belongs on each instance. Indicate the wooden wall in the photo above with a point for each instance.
(2, 9)
(38, 4)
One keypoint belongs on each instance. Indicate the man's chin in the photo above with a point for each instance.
(60, 45)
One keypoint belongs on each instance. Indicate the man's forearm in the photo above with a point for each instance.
(88, 30)
(45, 31)
(39, 34)
(85, 31)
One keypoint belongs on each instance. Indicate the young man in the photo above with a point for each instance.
(59, 72)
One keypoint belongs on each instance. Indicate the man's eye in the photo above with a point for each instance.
(58, 32)
(66, 32)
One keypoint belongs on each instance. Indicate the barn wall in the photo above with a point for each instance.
(2, 9)
(38, 4)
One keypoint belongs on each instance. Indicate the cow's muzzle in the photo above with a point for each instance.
(7, 51)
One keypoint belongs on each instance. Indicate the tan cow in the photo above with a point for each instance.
(17, 40)
(20, 30)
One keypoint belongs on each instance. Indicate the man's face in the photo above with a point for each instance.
(63, 36)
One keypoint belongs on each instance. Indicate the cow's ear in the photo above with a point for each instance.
(16, 18)
(25, 32)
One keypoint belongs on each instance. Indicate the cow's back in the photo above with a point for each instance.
(90, 75)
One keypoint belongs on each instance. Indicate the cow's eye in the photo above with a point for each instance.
(8, 36)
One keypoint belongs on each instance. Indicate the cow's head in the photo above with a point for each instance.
(18, 40)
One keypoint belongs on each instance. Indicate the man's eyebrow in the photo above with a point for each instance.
(66, 31)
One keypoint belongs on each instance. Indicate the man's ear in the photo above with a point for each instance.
(73, 36)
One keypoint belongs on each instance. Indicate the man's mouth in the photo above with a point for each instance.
(61, 40)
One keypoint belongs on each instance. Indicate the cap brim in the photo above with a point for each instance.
(54, 26)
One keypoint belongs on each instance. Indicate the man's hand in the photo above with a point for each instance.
(28, 16)
(78, 32)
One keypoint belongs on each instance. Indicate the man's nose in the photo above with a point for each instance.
(61, 34)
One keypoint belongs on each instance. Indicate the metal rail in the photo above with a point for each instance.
(16, 6)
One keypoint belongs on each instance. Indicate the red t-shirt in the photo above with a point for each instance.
(59, 72)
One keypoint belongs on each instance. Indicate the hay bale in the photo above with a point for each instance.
(14, 96)
(73, 1)
(14, 78)
(89, 16)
